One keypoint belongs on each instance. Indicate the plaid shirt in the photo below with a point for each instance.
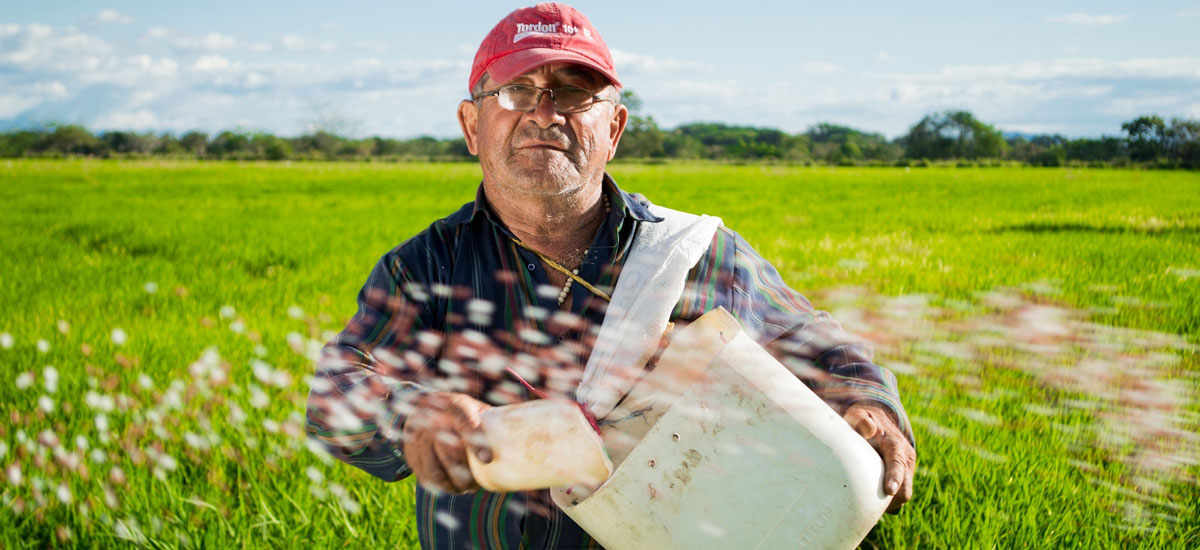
(451, 307)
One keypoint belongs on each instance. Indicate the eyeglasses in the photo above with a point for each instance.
(525, 98)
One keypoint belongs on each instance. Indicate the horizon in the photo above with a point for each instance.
(1076, 69)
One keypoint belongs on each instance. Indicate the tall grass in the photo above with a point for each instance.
(158, 321)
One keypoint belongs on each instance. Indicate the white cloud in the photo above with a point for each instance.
(157, 33)
(140, 120)
(210, 42)
(1189, 13)
(210, 63)
(1143, 103)
(109, 17)
(296, 43)
(1079, 18)
(885, 58)
(819, 68)
(1185, 68)
(12, 105)
(41, 48)
(629, 63)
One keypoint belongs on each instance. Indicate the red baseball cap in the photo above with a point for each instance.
(531, 37)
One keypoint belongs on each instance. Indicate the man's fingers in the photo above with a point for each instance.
(899, 465)
(451, 455)
(478, 442)
(861, 421)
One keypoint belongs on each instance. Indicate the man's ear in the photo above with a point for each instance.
(616, 127)
(468, 116)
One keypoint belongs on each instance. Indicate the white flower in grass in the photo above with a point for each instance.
(318, 450)
(238, 326)
(119, 337)
(48, 439)
(318, 491)
(24, 380)
(6, 341)
(260, 350)
(350, 506)
(145, 382)
(98, 456)
(102, 403)
(314, 474)
(101, 423)
(258, 398)
(270, 425)
(296, 312)
(14, 474)
(81, 443)
(46, 404)
(236, 414)
(167, 462)
(150, 287)
(63, 326)
(50, 379)
(195, 441)
(63, 493)
(43, 346)
(227, 312)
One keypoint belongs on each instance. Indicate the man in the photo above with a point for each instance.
(507, 294)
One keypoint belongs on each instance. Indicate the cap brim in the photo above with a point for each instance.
(518, 63)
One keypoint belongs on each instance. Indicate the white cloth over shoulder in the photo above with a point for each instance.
(648, 288)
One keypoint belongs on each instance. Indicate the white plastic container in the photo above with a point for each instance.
(730, 450)
(539, 444)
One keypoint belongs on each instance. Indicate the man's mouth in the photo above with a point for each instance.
(543, 145)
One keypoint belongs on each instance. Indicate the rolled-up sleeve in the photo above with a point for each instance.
(365, 377)
(837, 366)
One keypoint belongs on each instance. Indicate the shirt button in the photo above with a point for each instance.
(562, 339)
(531, 267)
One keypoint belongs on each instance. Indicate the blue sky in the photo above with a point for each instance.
(399, 68)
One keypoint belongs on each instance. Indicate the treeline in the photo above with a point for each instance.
(946, 137)
(954, 137)
(72, 140)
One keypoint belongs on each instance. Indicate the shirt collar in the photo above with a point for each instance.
(635, 204)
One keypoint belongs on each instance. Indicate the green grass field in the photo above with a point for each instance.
(157, 321)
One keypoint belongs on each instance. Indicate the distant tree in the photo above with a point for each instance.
(129, 143)
(19, 143)
(1183, 141)
(1147, 137)
(195, 143)
(836, 144)
(642, 137)
(953, 134)
(70, 139)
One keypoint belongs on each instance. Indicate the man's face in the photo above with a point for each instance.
(543, 152)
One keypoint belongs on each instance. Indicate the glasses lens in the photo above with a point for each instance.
(518, 97)
(569, 99)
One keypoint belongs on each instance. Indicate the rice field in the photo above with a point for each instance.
(158, 323)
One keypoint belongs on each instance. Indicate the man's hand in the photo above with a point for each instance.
(877, 425)
(437, 436)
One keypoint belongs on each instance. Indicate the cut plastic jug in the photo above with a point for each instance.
(721, 446)
(537, 445)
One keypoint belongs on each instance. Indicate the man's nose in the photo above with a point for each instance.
(544, 114)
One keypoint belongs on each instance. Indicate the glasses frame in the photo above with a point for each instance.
(537, 100)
